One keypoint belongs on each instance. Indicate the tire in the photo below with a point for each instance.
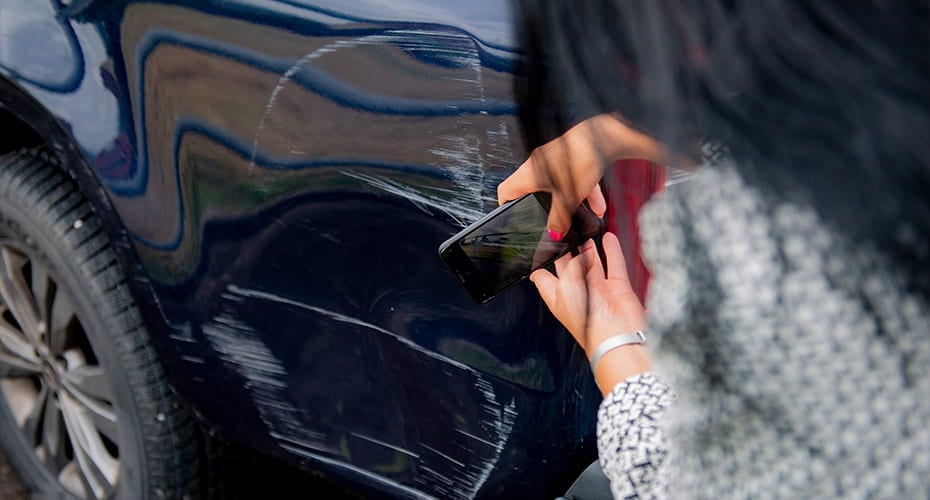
(85, 411)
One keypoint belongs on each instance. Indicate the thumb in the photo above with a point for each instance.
(547, 285)
(596, 201)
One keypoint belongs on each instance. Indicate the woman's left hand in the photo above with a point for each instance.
(570, 166)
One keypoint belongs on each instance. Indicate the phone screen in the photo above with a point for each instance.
(505, 246)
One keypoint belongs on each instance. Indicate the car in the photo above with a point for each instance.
(219, 222)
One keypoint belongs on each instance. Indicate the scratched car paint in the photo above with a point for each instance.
(280, 174)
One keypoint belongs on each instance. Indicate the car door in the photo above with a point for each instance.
(293, 167)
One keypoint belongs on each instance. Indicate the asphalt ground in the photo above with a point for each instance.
(10, 489)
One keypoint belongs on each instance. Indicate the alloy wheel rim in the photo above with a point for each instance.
(51, 380)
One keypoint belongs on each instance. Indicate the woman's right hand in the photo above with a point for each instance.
(594, 305)
(571, 165)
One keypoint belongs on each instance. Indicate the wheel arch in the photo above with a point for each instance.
(26, 123)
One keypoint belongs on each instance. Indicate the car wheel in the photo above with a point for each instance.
(85, 411)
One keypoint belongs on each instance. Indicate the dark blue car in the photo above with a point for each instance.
(219, 221)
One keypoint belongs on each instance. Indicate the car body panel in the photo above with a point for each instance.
(284, 171)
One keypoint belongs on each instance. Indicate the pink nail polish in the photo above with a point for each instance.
(556, 236)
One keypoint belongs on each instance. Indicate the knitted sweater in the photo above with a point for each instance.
(801, 367)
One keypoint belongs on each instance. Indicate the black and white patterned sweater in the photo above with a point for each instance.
(802, 370)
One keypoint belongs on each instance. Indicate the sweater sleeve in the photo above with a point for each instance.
(630, 443)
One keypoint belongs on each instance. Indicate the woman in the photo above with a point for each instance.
(789, 302)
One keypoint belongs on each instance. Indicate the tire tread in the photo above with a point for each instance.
(35, 179)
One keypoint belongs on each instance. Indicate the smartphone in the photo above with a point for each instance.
(507, 245)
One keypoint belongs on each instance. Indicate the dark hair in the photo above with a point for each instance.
(827, 101)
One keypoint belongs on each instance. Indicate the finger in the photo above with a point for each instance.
(591, 261)
(547, 285)
(561, 263)
(524, 180)
(545, 249)
(573, 271)
(616, 264)
(596, 201)
(560, 217)
(540, 254)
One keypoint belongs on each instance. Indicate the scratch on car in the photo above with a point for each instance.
(305, 225)
(453, 46)
(342, 318)
(443, 455)
(500, 146)
(182, 333)
(386, 445)
(481, 445)
(461, 157)
(264, 370)
(241, 349)
(465, 155)
(447, 201)
(193, 359)
(499, 422)
(289, 74)
(476, 438)
(480, 449)
(302, 443)
(435, 475)
(467, 159)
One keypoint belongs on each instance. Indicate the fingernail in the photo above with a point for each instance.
(556, 236)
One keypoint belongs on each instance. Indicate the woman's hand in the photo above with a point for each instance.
(594, 306)
(571, 165)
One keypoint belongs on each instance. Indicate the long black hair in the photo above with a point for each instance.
(825, 100)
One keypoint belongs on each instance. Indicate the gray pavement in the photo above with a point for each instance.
(10, 489)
